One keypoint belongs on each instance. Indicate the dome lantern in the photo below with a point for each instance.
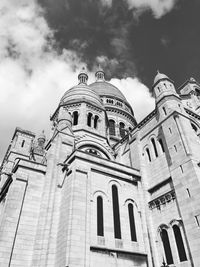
(100, 75)
(83, 77)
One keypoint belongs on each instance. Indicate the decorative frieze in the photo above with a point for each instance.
(162, 200)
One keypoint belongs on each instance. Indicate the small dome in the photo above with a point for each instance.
(192, 80)
(42, 136)
(81, 92)
(104, 88)
(160, 76)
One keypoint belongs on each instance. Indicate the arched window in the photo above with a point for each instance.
(161, 145)
(75, 117)
(122, 129)
(110, 101)
(164, 109)
(23, 142)
(93, 151)
(154, 147)
(95, 121)
(89, 119)
(132, 222)
(148, 154)
(100, 227)
(111, 127)
(166, 245)
(179, 243)
(116, 215)
(194, 127)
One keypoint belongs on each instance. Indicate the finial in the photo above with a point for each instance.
(83, 77)
(158, 71)
(100, 68)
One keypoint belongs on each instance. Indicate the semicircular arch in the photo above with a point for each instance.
(83, 145)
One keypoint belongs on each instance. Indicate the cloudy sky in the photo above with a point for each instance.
(44, 44)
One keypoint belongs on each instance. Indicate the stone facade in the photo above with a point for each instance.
(105, 190)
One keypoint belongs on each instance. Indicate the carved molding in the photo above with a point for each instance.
(162, 200)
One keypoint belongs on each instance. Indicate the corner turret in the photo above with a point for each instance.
(163, 86)
(190, 94)
(166, 97)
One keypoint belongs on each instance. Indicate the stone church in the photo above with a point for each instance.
(104, 189)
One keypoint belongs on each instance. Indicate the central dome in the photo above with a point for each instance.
(79, 93)
(104, 88)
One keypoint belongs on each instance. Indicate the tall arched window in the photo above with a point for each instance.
(111, 127)
(89, 119)
(161, 145)
(95, 121)
(75, 117)
(164, 109)
(100, 227)
(166, 245)
(154, 147)
(148, 154)
(194, 127)
(132, 222)
(116, 215)
(122, 129)
(179, 243)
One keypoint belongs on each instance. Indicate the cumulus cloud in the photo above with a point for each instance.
(33, 76)
(158, 7)
(137, 95)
